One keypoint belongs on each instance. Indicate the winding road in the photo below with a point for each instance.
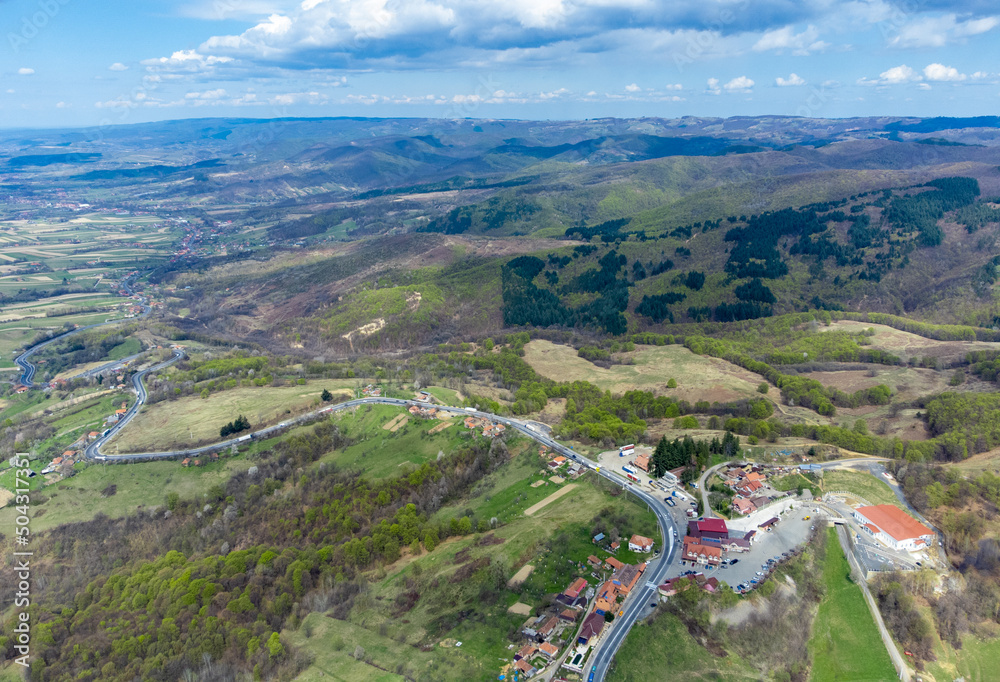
(28, 368)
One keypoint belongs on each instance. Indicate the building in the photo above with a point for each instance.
(736, 545)
(527, 651)
(524, 667)
(638, 543)
(642, 462)
(743, 506)
(769, 524)
(626, 578)
(607, 597)
(699, 553)
(590, 631)
(548, 650)
(708, 528)
(575, 588)
(892, 526)
(613, 563)
(594, 561)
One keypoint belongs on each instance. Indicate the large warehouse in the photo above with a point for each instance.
(891, 525)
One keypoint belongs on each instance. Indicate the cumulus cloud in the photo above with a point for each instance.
(674, 86)
(216, 94)
(117, 66)
(793, 79)
(739, 84)
(632, 88)
(713, 86)
(938, 31)
(940, 72)
(25, 71)
(894, 76)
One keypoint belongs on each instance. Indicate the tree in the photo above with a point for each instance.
(326, 396)
(672, 383)
(763, 387)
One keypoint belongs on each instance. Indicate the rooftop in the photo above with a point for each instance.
(895, 522)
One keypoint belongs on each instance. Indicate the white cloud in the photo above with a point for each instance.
(739, 84)
(793, 79)
(713, 86)
(60, 105)
(25, 71)
(117, 66)
(938, 31)
(632, 88)
(786, 38)
(674, 86)
(186, 61)
(940, 72)
(924, 86)
(216, 94)
(898, 74)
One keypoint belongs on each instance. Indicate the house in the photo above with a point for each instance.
(594, 561)
(545, 631)
(590, 631)
(548, 650)
(598, 537)
(743, 506)
(613, 563)
(708, 528)
(21, 389)
(524, 667)
(736, 545)
(557, 462)
(702, 554)
(750, 536)
(568, 615)
(638, 543)
(186, 462)
(575, 588)
(642, 462)
(627, 577)
(92, 435)
(892, 526)
(527, 651)
(615, 545)
(769, 524)
(748, 488)
(605, 604)
(196, 463)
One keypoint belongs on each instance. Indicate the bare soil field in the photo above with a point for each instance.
(698, 377)
(907, 345)
(907, 383)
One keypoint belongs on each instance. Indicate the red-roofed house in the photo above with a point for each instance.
(743, 506)
(638, 543)
(613, 563)
(548, 650)
(897, 529)
(702, 554)
(575, 588)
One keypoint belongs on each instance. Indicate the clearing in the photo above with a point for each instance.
(859, 483)
(530, 511)
(698, 377)
(907, 345)
(192, 419)
(845, 643)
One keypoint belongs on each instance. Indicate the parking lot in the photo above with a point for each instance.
(788, 534)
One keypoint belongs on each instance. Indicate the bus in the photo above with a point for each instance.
(632, 477)
(627, 470)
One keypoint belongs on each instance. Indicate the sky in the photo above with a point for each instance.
(84, 63)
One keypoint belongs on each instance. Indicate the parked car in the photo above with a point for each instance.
(760, 573)
(733, 562)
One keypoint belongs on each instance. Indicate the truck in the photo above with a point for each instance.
(669, 478)
(632, 477)
(627, 470)
(243, 438)
(626, 450)
(470, 409)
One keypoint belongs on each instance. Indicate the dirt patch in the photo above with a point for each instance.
(522, 574)
(5, 497)
(440, 427)
(530, 511)
(395, 423)
(537, 484)
(520, 609)
(558, 480)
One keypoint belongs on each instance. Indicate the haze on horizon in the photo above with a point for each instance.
(70, 63)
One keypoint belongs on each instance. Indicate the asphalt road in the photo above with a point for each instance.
(28, 368)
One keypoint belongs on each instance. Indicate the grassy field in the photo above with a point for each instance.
(193, 419)
(845, 644)
(907, 345)
(865, 485)
(445, 395)
(332, 644)
(698, 377)
(975, 662)
(556, 540)
(665, 649)
(138, 486)
(381, 453)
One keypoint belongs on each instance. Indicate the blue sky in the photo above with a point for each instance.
(79, 63)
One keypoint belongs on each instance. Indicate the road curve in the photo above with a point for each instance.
(638, 601)
(28, 368)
